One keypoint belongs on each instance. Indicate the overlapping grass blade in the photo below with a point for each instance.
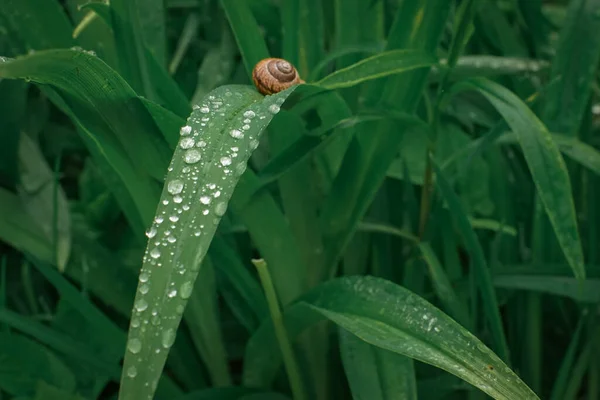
(418, 26)
(211, 156)
(587, 291)
(375, 373)
(378, 66)
(574, 65)
(578, 151)
(545, 163)
(479, 265)
(443, 287)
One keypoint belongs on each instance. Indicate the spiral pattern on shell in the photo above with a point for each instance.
(272, 75)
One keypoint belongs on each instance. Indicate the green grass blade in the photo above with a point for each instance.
(578, 151)
(478, 262)
(378, 66)
(152, 17)
(587, 291)
(40, 25)
(443, 287)
(90, 81)
(43, 200)
(19, 229)
(375, 373)
(574, 65)
(287, 353)
(545, 163)
(247, 33)
(418, 26)
(26, 362)
(204, 170)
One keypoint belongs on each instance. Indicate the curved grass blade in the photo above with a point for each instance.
(479, 265)
(208, 162)
(572, 147)
(443, 287)
(575, 66)
(545, 163)
(87, 80)
(390, 317)
(379, 66)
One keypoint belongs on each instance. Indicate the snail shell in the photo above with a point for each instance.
(272, 75)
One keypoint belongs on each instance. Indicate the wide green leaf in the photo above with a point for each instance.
(390, 317)
(214, 148)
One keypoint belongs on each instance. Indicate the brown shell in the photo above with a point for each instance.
(272, 75)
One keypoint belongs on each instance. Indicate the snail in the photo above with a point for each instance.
(272, 75)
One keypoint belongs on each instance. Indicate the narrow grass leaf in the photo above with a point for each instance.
(443, 287)
(575, 66)
(44, 200)
(19, 229)
(247, 33)
(479, 265)
(578, 151)
(587, 291)
(374, 373)
(204, 170)
(545, 163)
(378, 66)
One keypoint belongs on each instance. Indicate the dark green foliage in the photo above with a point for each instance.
(419, 220)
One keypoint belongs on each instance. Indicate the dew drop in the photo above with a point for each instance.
(205, 200)
(134, 345)
(274, 108)
(175, 187)
(135, 322)
(159, 220)
(186, 130)
(236, 134)
(171, 239)
(187, 143)
(150, 233)
(172, 293)
(246, 127)
(192, 156)
(220, 209)
(204, 110)
(155, 253)
(185, 291)
(144, 277)
(249, 114)
(201, 143)
(225, 161)
(131, 372)
(173, 218)
(144, 289)
(177, 199)
(168, 338)
(141, 305)
(185, 207)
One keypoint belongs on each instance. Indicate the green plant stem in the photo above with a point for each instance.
(289, 359)
(464, 18)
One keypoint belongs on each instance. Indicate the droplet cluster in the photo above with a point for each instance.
(211, 155)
